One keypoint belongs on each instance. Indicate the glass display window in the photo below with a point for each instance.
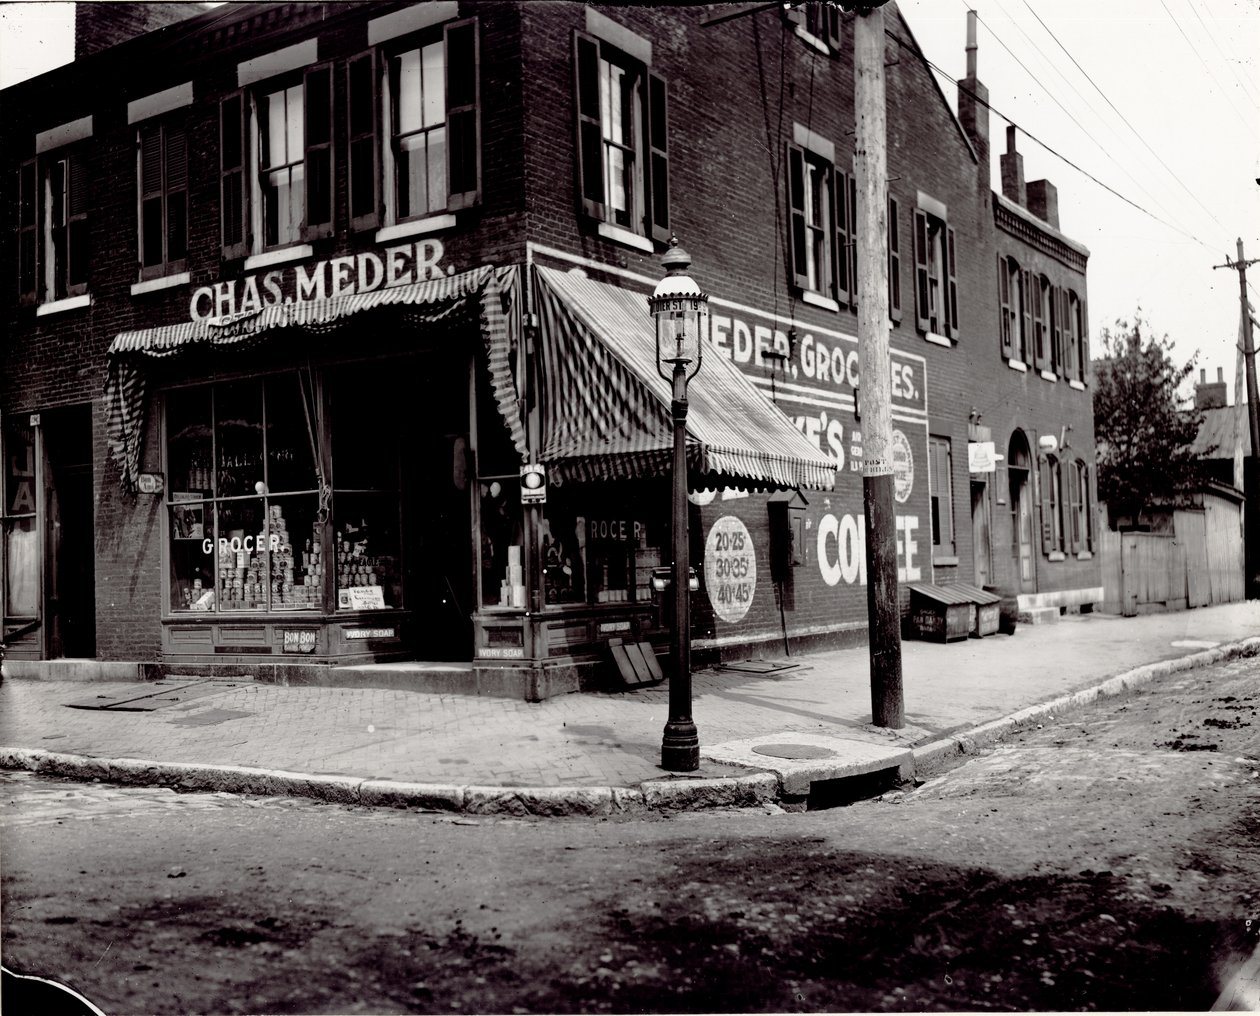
(20, 563)
(367, 554)
(502, 542)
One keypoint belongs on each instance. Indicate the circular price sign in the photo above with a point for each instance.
(903, 467)
(730, 568)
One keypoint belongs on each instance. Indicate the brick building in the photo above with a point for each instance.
(301, 287)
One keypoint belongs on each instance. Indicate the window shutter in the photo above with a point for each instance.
(1026, 315)
(841, 267)
(1039, 326)
(894, 261)
(921, 310)
(1045, 469)
(1071, 333)
(233, 189)
(1004, 305)
(176, 195)
(832, 14)
(77, 242)
(28, 232)
(1087, 511)
(1074, 506)
(463, 113)
(364, 183)
(1084, 364)
(318, 103)
(1058, 319)
(853, 241)
(952, 286)
(658, 144)
(796, 210)
(590, 144)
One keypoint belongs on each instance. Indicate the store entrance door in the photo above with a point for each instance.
(69, 548)
(439, 520)
(980, 540)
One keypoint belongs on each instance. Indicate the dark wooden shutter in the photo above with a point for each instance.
(233, 185)
(176, 196)
(853, 241)
(1026, 315)
(894, 261)
(463, 113)
(590, 144)
(1004, 305)
(1045, 470)
(1084, 364)
(1071, 334)
(77, 239)
(1074, 534)
(951, 285)
(658, 146)
(922, 311)
(317, 136)
(841, 267)
(796, 214)
(832, 15)
(151, 224)
(363, 164)
(1057, 322)
(1040, 327)
(28, 232)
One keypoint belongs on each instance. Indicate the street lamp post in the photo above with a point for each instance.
(682, 328)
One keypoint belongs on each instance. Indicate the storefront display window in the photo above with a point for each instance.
(367, 552)
(245, 533)
(502, 543)
(20, 563)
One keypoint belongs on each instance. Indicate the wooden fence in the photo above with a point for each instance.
(1199, 563)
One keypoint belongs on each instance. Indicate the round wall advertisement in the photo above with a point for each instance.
(903, 467)
(730, 569)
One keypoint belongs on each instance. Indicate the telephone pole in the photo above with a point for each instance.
(1251, 464)
(874, 393)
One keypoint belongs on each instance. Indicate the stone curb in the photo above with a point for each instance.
(665, 795)
(929, 755)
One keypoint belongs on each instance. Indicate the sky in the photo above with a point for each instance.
(1157, 100)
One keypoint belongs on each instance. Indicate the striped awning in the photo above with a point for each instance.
(496, 291)
(605, 412)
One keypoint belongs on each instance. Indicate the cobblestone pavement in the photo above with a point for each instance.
(601, 739)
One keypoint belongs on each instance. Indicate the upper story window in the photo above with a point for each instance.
(936, 277)
(1076, 338)
(162, 181)
(623, 156)
(817, 23)
(821, 203)
(52, 226)
(276, 162)
(1013, 308)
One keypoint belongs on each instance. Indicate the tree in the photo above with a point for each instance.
(1143, 434)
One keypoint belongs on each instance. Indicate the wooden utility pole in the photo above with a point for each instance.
(1251, 464)
(874, 393)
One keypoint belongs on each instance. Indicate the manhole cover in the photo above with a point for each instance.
(793, 751)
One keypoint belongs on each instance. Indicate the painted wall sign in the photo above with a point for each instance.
(353, 634)
(299, 640)
(328, 279)
(903, 467)
(841, 549)
(615, 530)
(501, 653)
(730, 568)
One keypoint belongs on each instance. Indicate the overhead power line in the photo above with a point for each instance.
(1241, 82)
(1059, 155)
(1211, 73)
(1135, 131)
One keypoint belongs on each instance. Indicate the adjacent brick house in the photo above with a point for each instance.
(298, 288)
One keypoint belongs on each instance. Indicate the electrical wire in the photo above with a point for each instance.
(1106, 150)
(1173, 18)
(1242, 84)
(1125, 119)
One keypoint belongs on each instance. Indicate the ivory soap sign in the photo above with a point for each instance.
(730, 569)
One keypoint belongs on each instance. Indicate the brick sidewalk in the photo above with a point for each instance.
(601, 740)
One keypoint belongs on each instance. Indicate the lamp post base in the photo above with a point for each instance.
(680, 747)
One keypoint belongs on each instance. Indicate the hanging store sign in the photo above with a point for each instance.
(331, 278)
(981, 457)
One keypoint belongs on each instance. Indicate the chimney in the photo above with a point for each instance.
(99, 26)
(1211, 395)
(1043, 201)
(1013, 171)
(973, 109)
